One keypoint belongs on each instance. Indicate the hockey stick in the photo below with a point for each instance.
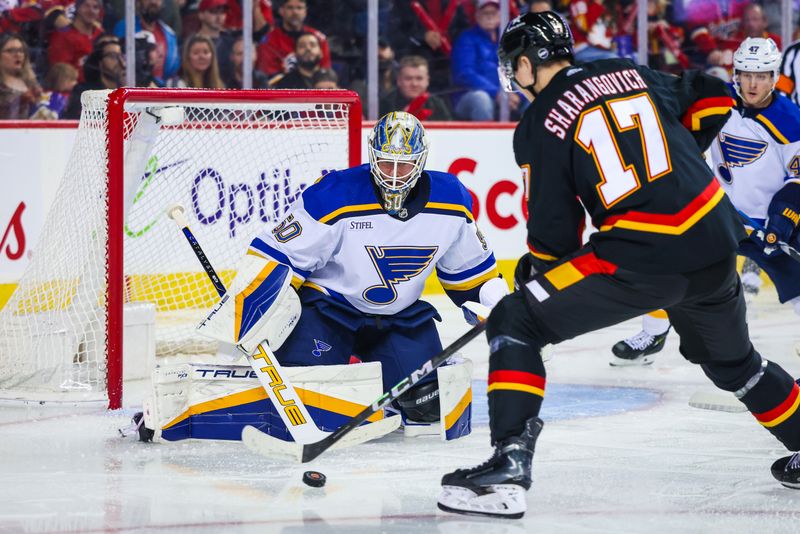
(273, 379)
(287, 402)
(785, 247)
(312, 450)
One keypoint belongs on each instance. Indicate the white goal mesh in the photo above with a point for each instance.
(235, 160)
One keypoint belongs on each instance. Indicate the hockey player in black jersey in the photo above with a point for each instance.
(622, 142)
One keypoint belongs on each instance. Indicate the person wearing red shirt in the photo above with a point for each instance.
(276, 52)
(73, 43)
(717, 32)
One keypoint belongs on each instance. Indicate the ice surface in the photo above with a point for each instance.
(621, 452)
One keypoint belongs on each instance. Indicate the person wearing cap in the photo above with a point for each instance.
(474, 67)
(73, 43)
(211, 14)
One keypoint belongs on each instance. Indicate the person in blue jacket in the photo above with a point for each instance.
(148, 18)
(474, 66)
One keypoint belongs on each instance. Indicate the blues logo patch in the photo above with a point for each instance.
(738, 152)
(395, 265)
(319, 348)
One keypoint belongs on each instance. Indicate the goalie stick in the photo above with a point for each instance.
(273, 379)
(312, 450)
(785, 247)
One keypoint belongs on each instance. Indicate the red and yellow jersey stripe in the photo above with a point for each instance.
(671, 224)
(706, 107)
(516, 381)
(783, 411)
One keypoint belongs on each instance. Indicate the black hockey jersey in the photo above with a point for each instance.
(626, 143)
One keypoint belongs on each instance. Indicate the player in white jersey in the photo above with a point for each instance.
(756, 158)
(359, 245)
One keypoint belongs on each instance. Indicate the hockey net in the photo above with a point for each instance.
(108, 256)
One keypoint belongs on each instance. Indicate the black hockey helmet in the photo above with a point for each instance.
(540, 36)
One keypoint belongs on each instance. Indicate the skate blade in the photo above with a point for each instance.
(622, 362)
(505, 501)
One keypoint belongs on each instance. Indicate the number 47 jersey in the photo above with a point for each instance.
(626, 144)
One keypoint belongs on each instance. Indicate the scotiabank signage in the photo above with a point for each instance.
(229, 201)
(12, 242)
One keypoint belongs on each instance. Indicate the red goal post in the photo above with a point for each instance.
(109, 266)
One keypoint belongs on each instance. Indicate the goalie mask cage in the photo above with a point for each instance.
(235, 159)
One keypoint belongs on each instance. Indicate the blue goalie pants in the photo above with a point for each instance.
(330, 332)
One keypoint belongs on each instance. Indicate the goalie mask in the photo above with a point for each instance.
(756, 54)
(398, 148)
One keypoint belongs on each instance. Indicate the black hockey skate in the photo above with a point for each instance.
(787, 471)
(495, 488)
(637, 350)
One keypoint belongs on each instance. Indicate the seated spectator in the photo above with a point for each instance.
(539, 6)
(211, 14)
(169, 14)
(386, 71)
(308, 56)
(720, 38)
(147, 18)
(589, 21)
(232, 70)
(19, 90)
(262, 17)
(103, 69)
(711, 31)
(412, 94)
(474, 65)
(275, 53)
(73, 43)
(665, 50)
(325, 79)
(61, 79)
(199, 68)
(428, 28)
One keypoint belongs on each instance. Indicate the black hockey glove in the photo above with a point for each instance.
(783, 217)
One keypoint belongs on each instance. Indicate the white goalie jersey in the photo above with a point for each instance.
(756, 153)
(337, 239)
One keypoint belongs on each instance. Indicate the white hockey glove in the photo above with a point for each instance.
(260, 306)
(490, 294)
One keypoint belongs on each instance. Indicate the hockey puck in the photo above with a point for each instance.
(315, 479)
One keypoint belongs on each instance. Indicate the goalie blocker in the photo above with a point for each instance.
(217, 401)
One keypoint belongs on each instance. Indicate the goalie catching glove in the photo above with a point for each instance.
(260, 306)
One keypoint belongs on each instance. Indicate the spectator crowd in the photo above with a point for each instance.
(437, 58)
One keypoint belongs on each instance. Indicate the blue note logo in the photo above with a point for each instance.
(738, 152)
(395, 265)
(320, 347)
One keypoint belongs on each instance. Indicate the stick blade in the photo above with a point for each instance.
(720, 401)
(270, 447)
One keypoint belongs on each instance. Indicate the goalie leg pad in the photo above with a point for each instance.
(218, 401)
(260, 306)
